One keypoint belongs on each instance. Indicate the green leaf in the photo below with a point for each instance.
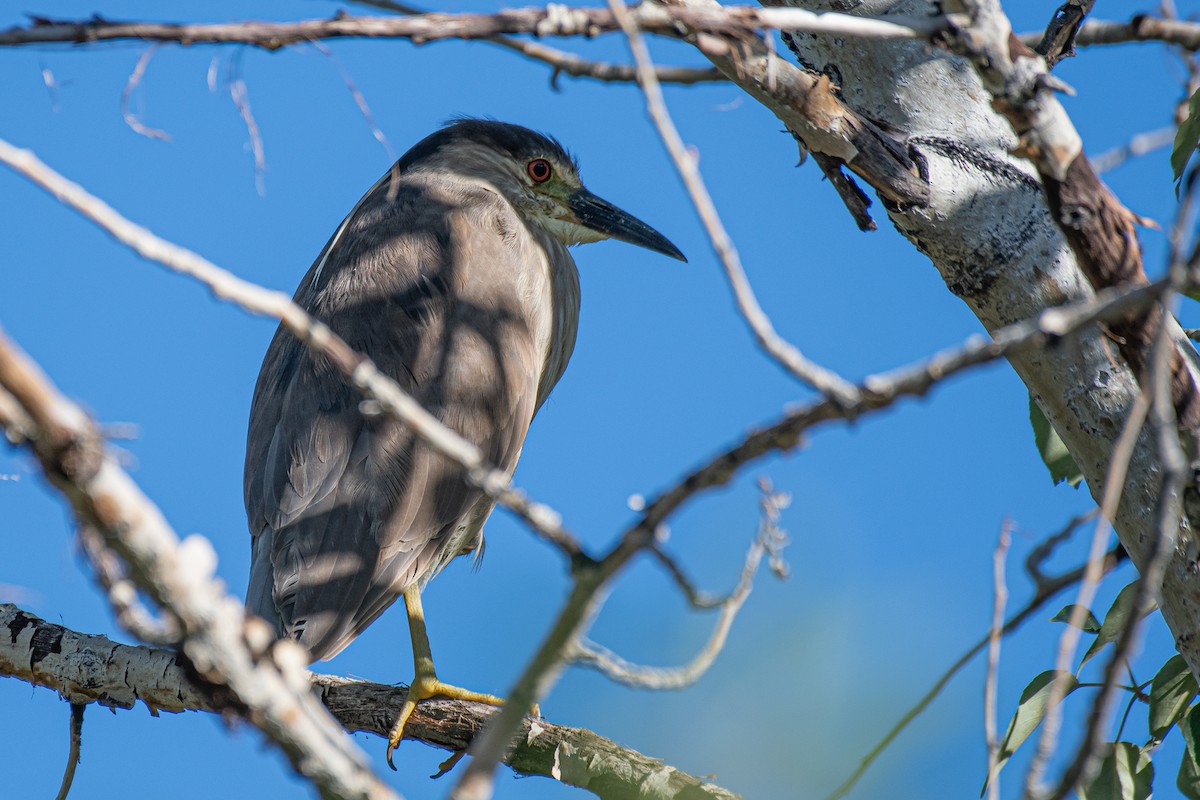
(1030, 712)
(1114, 620)
(1050, 446)
(1188, 780)
(1186, 139)
(1090, 623)
(1123, 775)
(1171, 692)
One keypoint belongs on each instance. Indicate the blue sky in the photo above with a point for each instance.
(893, 521)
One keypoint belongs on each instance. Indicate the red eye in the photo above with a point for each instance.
(539, 170)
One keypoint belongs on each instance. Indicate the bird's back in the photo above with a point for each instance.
(446, 289)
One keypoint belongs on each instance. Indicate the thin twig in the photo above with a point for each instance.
(359, 100)
(1047, 589)
(1141, 28)
(1039, 555)
(1173, 463)
(1114, 484)
(76, 739)
(135, 78)
(696, 598)
(769, 541)
(1138, 145)
(993, 661)
(241, 101)
(786, 354)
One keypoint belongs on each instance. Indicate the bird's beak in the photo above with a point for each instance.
(602, 216)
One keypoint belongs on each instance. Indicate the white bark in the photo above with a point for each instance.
(988, 232)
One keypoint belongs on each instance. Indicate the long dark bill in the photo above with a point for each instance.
(601, 215)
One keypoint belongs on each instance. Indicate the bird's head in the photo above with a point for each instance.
(538, 177)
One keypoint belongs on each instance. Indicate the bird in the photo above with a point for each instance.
(453, 275)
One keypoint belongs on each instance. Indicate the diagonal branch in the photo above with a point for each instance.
(225, 650)
(812, 109)
(781, 350)
(87, 669)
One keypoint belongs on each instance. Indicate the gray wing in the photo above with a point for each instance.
(346, 511)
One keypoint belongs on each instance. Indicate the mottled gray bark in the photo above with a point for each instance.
(988, 231)
(94, 669)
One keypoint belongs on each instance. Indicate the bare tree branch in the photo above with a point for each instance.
(554, 20)
(267, 685)
(564, 63)
(1058, 42)
(86, 669)
(995, 634)
(769, 542)
(807, 104)
(811, 108)
(75, 735)
(782, 351)
(1138, 145)
(135, 78)
(1047, 588)
(1140, 28)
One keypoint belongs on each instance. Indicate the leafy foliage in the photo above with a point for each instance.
(1187, 138)
(1126, 773)
(1115, 620)
(1171, 692)
(1090, 623)
(1031, 710)
(1053, 451)
(1188, 780)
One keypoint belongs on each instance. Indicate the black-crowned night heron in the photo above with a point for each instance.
(452, 273)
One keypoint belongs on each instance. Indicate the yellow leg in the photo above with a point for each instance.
(425, 680)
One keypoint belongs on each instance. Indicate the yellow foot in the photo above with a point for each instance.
(424, 688)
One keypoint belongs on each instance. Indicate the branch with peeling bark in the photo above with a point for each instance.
(86, 669)
(264, 684)
(1139, 28)
(553, 20)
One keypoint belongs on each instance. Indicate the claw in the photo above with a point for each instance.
(449, 763)
(425, 683)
